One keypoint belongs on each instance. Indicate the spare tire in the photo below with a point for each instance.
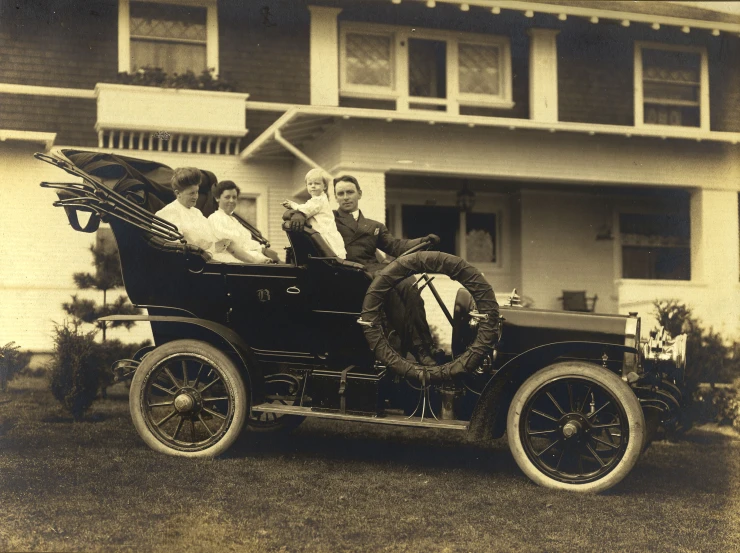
(431, 262)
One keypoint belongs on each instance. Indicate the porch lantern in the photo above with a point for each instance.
(465, 199)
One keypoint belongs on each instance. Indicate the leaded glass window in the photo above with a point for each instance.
(369, 60)
(671, 87)
(479, 69)
(170, 37)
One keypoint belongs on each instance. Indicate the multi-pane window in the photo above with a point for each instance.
(424, 69)
(168, 36)
(369, 60)
(655, 246)
(671, 86)
(479, 69)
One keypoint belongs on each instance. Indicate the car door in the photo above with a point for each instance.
(268, 306)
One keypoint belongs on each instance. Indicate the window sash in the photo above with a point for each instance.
(205, 37)
(498, 79)
(671, 86)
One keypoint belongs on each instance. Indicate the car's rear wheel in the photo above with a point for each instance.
(575, 426)
(280, 389)
(188, 399)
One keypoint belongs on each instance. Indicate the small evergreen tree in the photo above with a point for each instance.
(75, 369)
(107, 276)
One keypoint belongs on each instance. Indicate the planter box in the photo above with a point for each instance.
(175, 111)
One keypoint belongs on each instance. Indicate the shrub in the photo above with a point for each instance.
(718, 405)
(12, 361)
(75, 369)
(709, 359)
(155, 76)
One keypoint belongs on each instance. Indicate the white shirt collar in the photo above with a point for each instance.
(356, 215)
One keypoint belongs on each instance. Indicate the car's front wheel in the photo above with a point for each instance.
(575, 426)
(188, 399)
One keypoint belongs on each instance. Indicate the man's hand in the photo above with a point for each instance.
(433, 239)
(297, 221)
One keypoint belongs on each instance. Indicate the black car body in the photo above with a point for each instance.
(267, 345)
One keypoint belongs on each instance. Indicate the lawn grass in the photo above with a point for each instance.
(329, 487)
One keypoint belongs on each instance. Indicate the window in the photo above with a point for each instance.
(369, 61)
(246, 208)
(672, 86)
(655, 246)
(424, 70)
(479, 244)
(174, 35)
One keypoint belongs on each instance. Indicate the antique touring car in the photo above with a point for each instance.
(265, 346)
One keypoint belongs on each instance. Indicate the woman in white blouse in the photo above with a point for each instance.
(240, 248)
(188, 219)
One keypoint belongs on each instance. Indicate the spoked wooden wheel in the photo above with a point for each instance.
(576, 426)
(187, 398)
(281, 389)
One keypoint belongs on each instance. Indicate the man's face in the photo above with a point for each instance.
(347, 196)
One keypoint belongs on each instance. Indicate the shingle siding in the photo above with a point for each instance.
(724, 85)
(268, 58)
(58, 44)
(595, 79)
(73, 119)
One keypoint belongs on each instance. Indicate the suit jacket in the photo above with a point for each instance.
(364, 236)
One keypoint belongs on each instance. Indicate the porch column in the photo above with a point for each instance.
(715, 258)
(324, 56)
(372, 184)
(543, 74)
(715, 248)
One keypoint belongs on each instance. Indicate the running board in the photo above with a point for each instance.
(397, 420)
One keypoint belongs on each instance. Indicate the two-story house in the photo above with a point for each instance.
(557, 145)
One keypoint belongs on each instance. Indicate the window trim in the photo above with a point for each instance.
(124, 31)
(398, 92)
(639, 107)
(619, 245)
(485, 203)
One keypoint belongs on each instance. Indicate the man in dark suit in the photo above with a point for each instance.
(362, 236)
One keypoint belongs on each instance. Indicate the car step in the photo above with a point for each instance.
(397, 420)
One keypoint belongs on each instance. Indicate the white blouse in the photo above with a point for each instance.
(321, 218)
(191, 223)
(226, 227)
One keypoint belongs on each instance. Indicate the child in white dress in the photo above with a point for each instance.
(318, 212)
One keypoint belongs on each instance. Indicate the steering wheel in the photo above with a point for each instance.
(421, 246)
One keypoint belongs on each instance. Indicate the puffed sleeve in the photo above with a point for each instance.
(222, 227)
(313, 206)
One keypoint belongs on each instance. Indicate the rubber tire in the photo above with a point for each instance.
(231, 377)
(611, 382)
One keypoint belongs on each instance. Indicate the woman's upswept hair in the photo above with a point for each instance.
(223, 186)
(185, 177)
(325, 177)
(346, 178)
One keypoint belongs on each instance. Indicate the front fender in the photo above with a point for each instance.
(492, 406)
(169, 328)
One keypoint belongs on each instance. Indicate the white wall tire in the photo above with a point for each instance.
(575, 426)
(188, 399)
